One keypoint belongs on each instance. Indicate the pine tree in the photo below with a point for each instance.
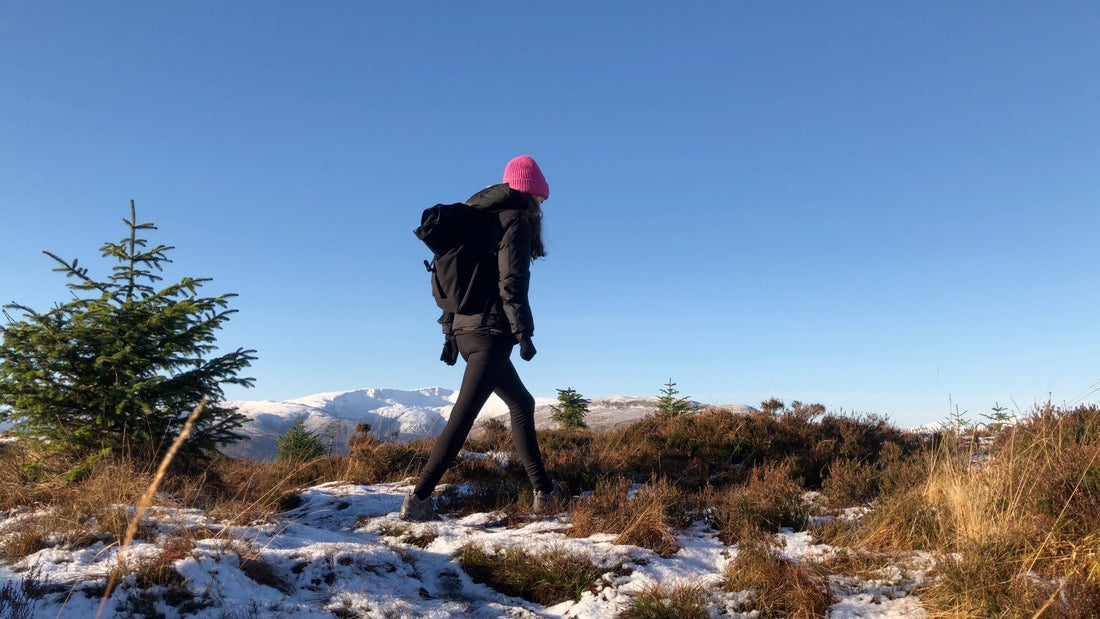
(571, 409)
(669, 405)
(299, 444)
(999, 419)
(122, 364)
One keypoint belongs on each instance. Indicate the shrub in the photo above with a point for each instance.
(716, 447)
(18, 601)
(692, 449)
(490, 435)
(571, 455)
(120, 365)
(770, 501)
(850, 483)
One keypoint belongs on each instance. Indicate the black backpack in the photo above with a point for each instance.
(463, 240)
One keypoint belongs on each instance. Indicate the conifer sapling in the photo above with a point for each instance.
(122, 364)
(299, 444)
(669, 404)
(571, 409)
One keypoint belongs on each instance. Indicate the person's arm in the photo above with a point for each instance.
(514, 263)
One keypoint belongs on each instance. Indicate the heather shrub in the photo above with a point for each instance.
(716, 447)
(491, 435)
(570, 455)
(770, 501)
(689, 448)
(850, 482)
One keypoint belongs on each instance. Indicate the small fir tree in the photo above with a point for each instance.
(571, 409)
(957, 420)
(299, 444)
(122, 364)
(999, 418)
(669, 404)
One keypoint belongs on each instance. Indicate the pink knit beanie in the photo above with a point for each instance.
(523, 174)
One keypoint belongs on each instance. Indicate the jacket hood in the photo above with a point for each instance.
(500, 197)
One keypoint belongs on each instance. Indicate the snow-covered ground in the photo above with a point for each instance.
(331, 556)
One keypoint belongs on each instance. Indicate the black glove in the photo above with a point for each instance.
(450, 351)
(526, 349)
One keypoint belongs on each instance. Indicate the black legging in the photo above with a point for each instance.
(488, 370)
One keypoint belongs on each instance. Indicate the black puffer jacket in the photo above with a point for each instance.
(510, 312)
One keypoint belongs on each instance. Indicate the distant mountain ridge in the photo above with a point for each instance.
(401, 415)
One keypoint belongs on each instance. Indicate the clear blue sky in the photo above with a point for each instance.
(882, 207)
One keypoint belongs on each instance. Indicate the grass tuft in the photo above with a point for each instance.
(547, 578)
(687, 601)
(780, 587)
(770, 501)
(419, 535)
(648, 518)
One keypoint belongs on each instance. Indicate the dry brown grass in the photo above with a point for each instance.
(682, 601)
(780, 587)
(547, 578)
(490, 435)
(770, 500)
(1014, 533)
(1014, 529)
(160, 568)
(93, 506)
(649, 519)
(417, 534)
(72, 514)
(256, 568)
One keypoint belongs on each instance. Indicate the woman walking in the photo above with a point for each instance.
(486, 340)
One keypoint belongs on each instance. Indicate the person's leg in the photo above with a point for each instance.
(521, 409)
(484, 362)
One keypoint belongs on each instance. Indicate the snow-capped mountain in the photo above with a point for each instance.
(400, 415)
(391, 413)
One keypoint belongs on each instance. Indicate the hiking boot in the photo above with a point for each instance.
(417, 510)
(550, 502)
